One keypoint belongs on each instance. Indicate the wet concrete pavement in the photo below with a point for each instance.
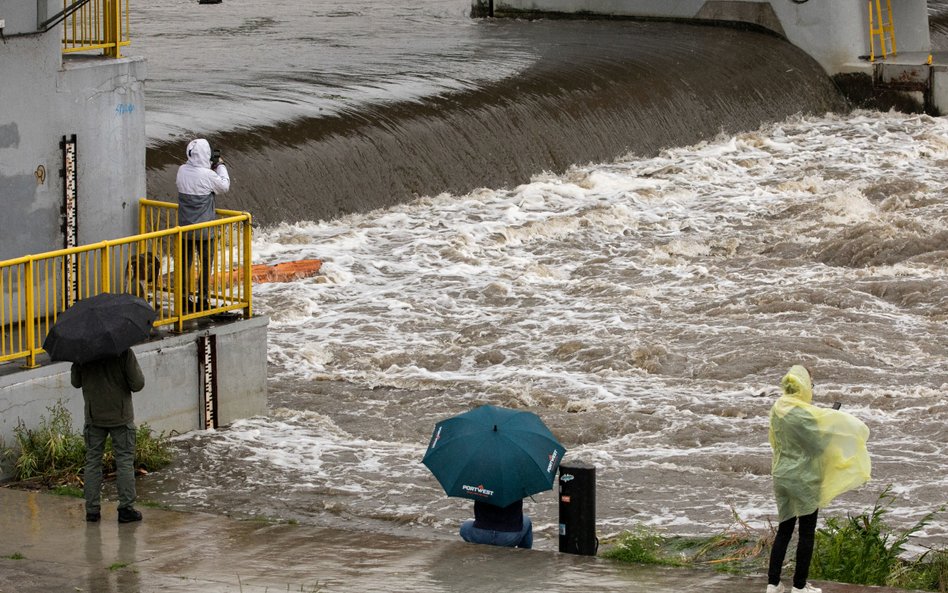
(46, 546)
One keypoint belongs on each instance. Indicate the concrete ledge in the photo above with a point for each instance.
(760, 14)
(172, 399)
(716, 14)
(834, 33)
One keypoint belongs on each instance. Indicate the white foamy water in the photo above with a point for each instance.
(645, 308)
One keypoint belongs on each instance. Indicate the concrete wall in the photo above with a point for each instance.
(835, 33)
(939, 92)
(45, 96)
(172, 397)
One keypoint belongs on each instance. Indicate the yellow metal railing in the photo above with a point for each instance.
(34, 289)
(879, 27)
(96, 24)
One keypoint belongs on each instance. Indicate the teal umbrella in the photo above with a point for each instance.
(495, 455)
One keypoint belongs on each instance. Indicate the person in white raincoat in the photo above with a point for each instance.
(198, 183)
(818, 453)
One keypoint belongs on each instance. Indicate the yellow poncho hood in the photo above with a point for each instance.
(818, 453)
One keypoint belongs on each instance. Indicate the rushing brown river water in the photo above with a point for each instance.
(735, 218)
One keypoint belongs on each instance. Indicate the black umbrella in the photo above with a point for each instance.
(99, 327)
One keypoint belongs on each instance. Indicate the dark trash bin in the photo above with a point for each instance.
(578, 509)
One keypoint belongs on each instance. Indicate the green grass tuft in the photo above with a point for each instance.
(641, 546)
(67, 490)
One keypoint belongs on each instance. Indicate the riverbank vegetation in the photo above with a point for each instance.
(52, 454)
(860, 549)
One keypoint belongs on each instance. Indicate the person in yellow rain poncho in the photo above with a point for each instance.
(818, 454)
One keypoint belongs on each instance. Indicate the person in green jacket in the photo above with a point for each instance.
(107, 387)
(818, 454)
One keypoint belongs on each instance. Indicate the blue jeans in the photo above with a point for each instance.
(509, 539)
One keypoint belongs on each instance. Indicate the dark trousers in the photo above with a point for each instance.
(804, 549)
(123, 446)
(204, 251)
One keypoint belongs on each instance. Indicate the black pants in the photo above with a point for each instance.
(804, 549)
(204, 251)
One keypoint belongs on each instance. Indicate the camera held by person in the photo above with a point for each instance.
(215, 158)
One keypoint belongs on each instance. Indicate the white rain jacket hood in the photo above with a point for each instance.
(198, 183)
(199, 153)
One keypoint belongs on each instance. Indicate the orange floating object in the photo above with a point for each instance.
(285, 272)
(260, 273)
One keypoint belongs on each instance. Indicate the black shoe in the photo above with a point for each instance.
(197, 306)
(129, 515)
(93, 517)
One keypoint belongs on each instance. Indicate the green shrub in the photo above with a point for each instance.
(54, 455)
(151, 452)
(51, 451)
(862, 550)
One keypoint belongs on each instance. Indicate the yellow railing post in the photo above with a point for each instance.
(3, 315)
(890, 27)
(30, 315)
(106, 261)
(178, 279)
(881, 29)
(875, 16)
(116, 18)
(247, 260)
(872, 34)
